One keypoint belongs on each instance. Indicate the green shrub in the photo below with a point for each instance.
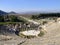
(41, 33)
(44, 22)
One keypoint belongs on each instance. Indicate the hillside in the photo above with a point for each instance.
(3, 13)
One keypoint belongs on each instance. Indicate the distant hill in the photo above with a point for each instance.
(3, 13)
(12, 12)
(7, 13)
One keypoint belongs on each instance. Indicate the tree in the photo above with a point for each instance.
(1, 18)
(34, 17)
(13, 18)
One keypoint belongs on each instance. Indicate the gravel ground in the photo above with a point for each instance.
(15, 40)
(52, 37)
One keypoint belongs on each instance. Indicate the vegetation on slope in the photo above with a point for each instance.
(45, 15)
(11, 19)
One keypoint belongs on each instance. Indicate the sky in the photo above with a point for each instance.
(29, 5)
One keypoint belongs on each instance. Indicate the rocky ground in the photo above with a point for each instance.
(11, 40)
(52, 37)
(8, 37)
